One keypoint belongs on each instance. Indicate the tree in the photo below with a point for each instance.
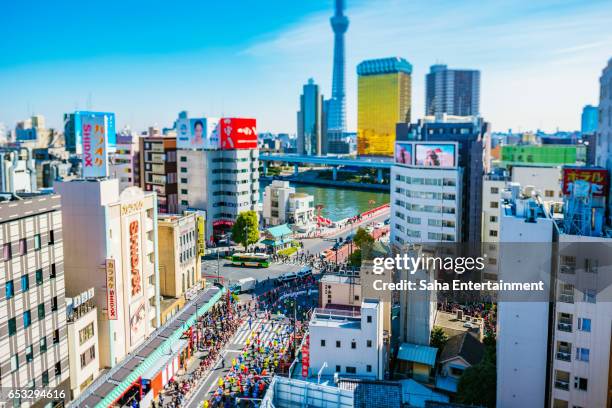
(438, 338)
(355, 258)
(478, 384)
(363, 238)
(246, 229)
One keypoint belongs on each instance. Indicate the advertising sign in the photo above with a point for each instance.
(201, 235)
(596, 176)
(111, 289)
(95, 148)
(305, 357)
(403, 153)
(435, 155)
(183, 133)
(197, 133)
(138, 315)
(80, 116)
(238, 133)
(135, 259)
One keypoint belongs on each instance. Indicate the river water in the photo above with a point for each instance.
(339, 203)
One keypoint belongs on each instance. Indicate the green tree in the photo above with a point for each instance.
(478, 384)
(355, 258)
(246, 229)
(363, 238)
(438, 338)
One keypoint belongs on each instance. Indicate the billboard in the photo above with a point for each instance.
(95, 146)
(111, 289)
(197, 133)
(135, 259)
(596, 176)
(435, 154)
(403, 153)
(238, 133)
(138, 316)
(79, 116)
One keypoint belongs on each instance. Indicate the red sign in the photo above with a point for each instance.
(305, 357)
(597, 177)
(238, 133)
(223, 223)
(111, 290)
(135, 258)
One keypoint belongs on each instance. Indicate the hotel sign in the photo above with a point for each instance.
(111, 289)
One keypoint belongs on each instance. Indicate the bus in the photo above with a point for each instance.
(258, 260)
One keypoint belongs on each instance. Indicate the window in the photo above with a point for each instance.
(591, 265)
(582, 354)
(369, 343)
(27, 319)
(12, 326)
(351, 370)
(41, 311)
(322, 343)
(23, 246)
(14, 363)
(86, 333)
(183, 181)
(369, 368)
(581, 383)
(7, 252)
(562, 380)
(58, 369)
(564, 351)
(54, 304)
(37, 241)
(51, 238)
(584, 324)
(549, 193)
(337, 368)
(369, 319)
(88, 356)
(568, 264)
(29, 354)
(183, 169)
(25, 283)
(183, 191)
(338, 344)
(43, 345)
(53, 272)
(492, 233)
(494, 204)
(183, 158)
(590, 296)
(353, 345)
(45, 378)
(493, 218)
(39, 277)
(494, 190)
(56, 337)
(9, 289)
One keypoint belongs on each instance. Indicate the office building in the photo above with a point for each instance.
(472, 137)
(383, 100)
(33, 341)
(282, 204)
(125, 161)
(179, 261)
(311, 140)
(33, 133)
(83, 348)
(111, 245)
(73, 132)
(158, 170)
(17, 170)
(604, 131)
(349, 343)
(452, 91)
(335, 108)
(589, 120)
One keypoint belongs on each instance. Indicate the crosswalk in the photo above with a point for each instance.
(269, 330)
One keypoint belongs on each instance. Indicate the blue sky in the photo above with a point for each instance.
(540, 60)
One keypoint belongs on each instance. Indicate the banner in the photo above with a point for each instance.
(238, 133)
(95, 146)
(111, 289)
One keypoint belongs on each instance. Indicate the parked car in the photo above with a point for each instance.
(304, 272)
(288, 277)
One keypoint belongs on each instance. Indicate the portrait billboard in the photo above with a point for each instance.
(197, 133)
(598, 178)
(238, 133)
(403, 153)
(94, 134)
(138, 318)
(435, 154)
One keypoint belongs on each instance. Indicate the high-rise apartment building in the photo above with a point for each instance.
(472, 136)
(33, 339)
(452, 91)
(158, 170)
(383, 92)
(589, 120)
(311, 138)
(111, 245)
(124, 163)
(604, 132)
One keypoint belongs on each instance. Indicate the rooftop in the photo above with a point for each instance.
(342, 319)
(279, 231)
(417, 354)
(329, 278)
(384, 66)
(463, 345)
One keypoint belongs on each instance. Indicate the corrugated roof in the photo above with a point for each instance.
(417, 353)
(279, 231)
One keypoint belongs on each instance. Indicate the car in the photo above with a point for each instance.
(288, 277)
(469, 325)
(304, 272)
(380, 225)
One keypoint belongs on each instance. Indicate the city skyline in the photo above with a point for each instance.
(147, 65)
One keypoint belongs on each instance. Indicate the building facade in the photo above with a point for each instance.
(312, 140)
(33, 334)
(383, 99)
(281, 204)
(125, 161)
(337, 290)
(452, 91)
(17, 170)
(604, 132)
(589, 120)
(158, 171)
(117, 255)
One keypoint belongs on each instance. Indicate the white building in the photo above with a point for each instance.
(281, 204)
(603, 150)
(83, 348)
(223, 183)
(425, 204)
(547, 180)
(110, 241)
(17, 170)
(336, 290)
(492, 187)
(124, 163)
(348, 343)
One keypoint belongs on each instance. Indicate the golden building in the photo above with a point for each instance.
(384, 94)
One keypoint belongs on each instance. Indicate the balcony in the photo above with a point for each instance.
(564, 356)
(566, 298)
(565, 327)
(562, 385)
